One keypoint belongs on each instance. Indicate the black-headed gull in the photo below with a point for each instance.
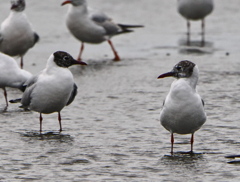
(195, 10)
(90, 26)
(183, 109)
(53, 88)
(16, 33)
(11, 75)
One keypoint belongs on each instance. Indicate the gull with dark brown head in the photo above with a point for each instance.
(183, 109)
(195, 10)
(16, 32)
(53, 88)
(91, 26)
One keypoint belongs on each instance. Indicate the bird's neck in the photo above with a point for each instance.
(193, 79)
(51, 65)
(15, 13)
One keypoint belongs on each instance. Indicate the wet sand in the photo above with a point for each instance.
(111, 132)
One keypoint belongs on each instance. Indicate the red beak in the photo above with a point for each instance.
(66, 2)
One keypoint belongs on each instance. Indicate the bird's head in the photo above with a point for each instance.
(183, 69)
(18, 5)
(63, 59)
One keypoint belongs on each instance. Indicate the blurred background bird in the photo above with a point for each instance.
(195, 10)
(16, 33)
(11, 75)
(91, 26)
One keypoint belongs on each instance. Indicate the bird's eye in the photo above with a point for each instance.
(178, 67)
(65, 58)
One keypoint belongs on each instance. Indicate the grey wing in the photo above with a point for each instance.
(26, 98)
(103, 20)
(73, 94)
(203, 102)
(30, 85)
(98, 17)
(31, 81)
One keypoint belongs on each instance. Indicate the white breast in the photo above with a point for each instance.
(52, 91)
(17, 33)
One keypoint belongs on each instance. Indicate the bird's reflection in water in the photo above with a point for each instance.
(48, 136)
(195, 47)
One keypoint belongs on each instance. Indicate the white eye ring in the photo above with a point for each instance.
(65, 58)
(178, 67)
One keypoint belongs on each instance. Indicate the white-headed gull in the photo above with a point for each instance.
(195, 10)
(16, 33)
(90, 26)
(183, 109)
(11, 75)
(53, 88)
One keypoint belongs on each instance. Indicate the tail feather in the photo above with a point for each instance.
(18, 101)
(130, 26)
(15, 101)
(127, 28)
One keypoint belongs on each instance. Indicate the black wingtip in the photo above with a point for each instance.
(36, 37)
(127, 28)
(130, 26)
(15, 101)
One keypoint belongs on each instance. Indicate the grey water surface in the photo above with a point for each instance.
(111, 132)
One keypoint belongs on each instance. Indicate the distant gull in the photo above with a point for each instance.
(16, 33)
(91, 26)
(11, 75)
(53, 88)
(183, 109)
(195, 10)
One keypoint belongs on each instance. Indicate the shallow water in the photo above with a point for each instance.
(111, 132)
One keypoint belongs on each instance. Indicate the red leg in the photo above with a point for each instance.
(192, 140)
(21, 62)
(188, 32)
(79, 58)
(5, 95)
(172, 141)
(203, 32)
(117, 58)
(59, 119)
(40, 119)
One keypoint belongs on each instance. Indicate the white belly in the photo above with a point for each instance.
(183, 110)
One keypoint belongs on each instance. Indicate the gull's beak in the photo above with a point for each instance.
(82, 63)
(168, 74)
(78, 62)
(66, 2)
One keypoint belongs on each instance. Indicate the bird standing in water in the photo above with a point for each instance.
(183, 109)
(53, 88)
(195, 10)
(16, 32)
(90, 26)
